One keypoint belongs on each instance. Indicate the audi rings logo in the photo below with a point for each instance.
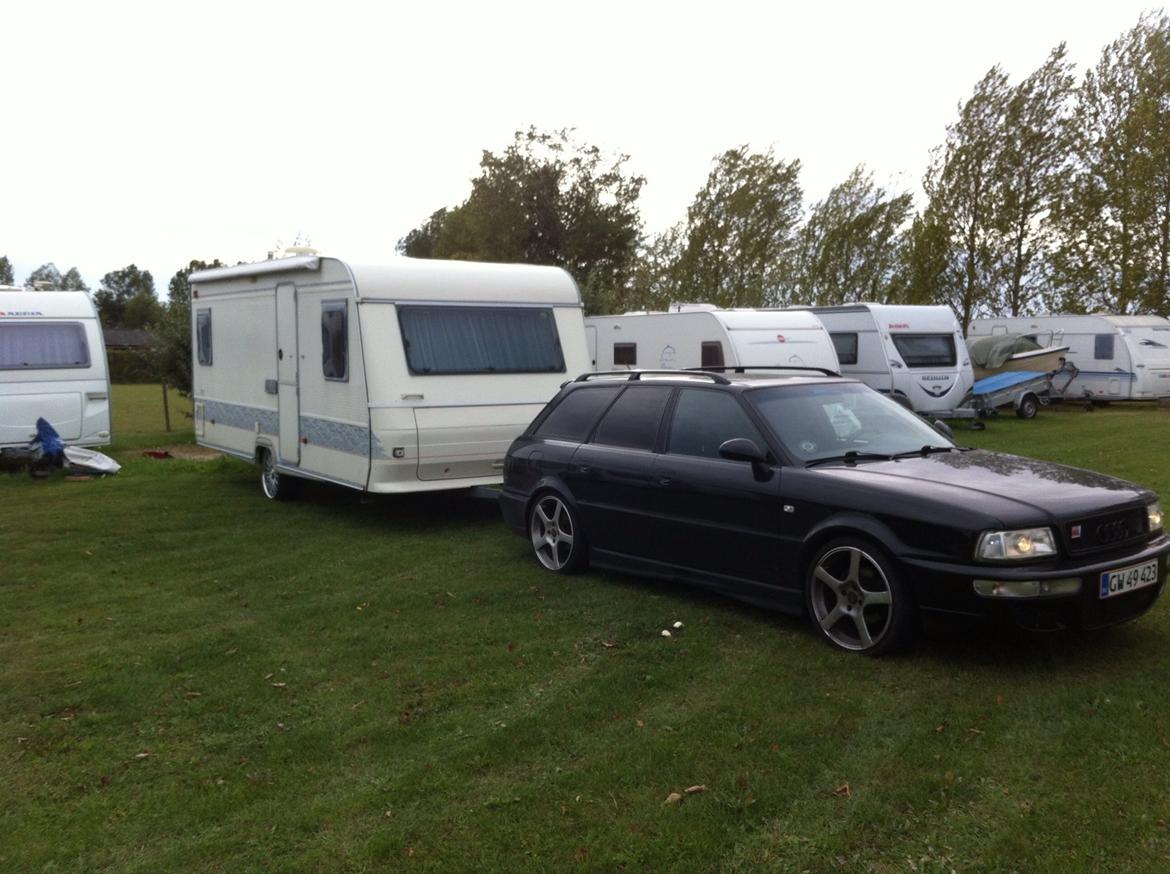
(1111, 532)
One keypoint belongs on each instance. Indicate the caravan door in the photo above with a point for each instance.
(288, 399)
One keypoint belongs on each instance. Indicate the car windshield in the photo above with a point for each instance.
(845, 420)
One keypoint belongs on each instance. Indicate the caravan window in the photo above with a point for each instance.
(203, 335)
(1103, 347)
(926, 350)
(48, 345)
(334, 340)
(625, 353)
(846, 346)
(465, 339)
(711, 354)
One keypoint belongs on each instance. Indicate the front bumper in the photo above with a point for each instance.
(949, 588)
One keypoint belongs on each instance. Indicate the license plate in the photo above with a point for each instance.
(1127, 579)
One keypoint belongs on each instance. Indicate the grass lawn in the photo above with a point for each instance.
(194, 678)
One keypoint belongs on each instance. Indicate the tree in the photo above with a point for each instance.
(962, 185)
(739, 233)
(126, 299)
(421, 242)
(1114, 222)
(6, 277)
(1031, 173)
(546, 199)
(172, 330)
(849, 247)
(52, 278)
(926, 262)
(655, 283)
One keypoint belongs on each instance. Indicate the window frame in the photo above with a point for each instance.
(664, 413)
(465, 308)
(856, 336)
(625, 347)
(1097, 344)
(745, 410)
(706, 346)
(332, 306)
(79, 329)
(954, 358)
(202, 323)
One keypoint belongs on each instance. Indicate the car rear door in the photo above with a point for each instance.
(612, 478)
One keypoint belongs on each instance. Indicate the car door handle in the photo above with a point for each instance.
(665, 481)
(582, 469)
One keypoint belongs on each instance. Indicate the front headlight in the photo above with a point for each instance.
(1024, 543)
(1154, 514)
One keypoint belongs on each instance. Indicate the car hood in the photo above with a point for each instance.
(1009, 487)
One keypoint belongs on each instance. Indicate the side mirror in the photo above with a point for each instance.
(943, 428)
(741, 449)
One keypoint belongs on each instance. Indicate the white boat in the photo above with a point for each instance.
(1005, 352)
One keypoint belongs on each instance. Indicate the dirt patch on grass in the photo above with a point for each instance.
(187, 452)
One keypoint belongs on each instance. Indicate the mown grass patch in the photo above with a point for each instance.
(192, 678)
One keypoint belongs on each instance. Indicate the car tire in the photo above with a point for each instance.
(275, 485)
(856, 599)
(558, 541)
(1029, 407)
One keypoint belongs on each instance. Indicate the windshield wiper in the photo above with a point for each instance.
(852, 456)
(924, 451)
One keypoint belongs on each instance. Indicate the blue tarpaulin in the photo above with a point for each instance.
(48, 439)
(1005, 379)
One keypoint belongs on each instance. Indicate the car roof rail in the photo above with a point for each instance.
(633, 375)
(743, 368)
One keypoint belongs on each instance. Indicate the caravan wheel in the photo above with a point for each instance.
(276, 486)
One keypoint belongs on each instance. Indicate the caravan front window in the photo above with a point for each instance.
(926, 350)
(48, 345)
(469, 339)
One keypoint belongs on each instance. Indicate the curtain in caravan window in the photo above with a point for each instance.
(461, 339)
(48, 346)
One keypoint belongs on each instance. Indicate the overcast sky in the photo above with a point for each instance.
(155, 133)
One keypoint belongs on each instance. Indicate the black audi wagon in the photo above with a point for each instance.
(815, 494)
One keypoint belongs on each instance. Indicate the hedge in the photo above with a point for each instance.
(133, 365)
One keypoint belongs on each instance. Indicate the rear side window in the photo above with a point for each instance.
(633, 419)
(705, 420)
(926, 350)
(1103, 347)
(203, 335)
(625, 353)
(45, 346)
(459, 340)
(711, 354)
(335, 339)
(846, 346)
(573, 418)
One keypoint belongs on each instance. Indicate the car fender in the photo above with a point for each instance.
(551, 483)
(849, 524)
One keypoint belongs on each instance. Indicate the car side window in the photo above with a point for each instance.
(633, 419)
(704, 420)
(572, 419)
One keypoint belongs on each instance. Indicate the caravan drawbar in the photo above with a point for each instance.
(411, 375)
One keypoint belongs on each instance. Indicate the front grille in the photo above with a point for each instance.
(1105, 532)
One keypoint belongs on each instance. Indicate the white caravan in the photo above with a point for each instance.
(702, 335)
(52, 366)
(1119, 357)
(413, 375)
(916, 354)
